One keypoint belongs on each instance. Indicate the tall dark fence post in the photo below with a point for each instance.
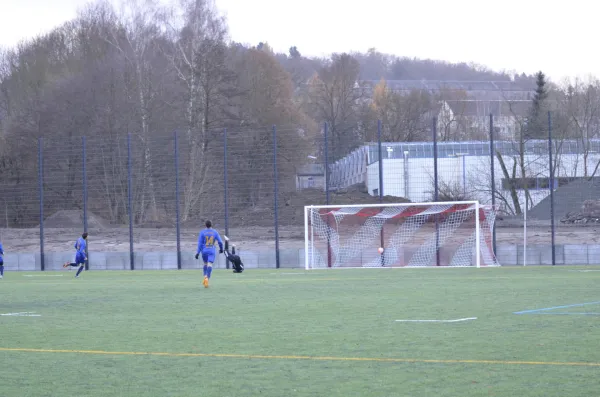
(130, 202)
(381, 234)
(41, 188)
(493, 177)
(435, 161)
(177, 214)
(326, 155)
(85, 198)
(225, 183)
(551, 187)
(276, 200)
(380, 161)
(436, 190)
(225, 189)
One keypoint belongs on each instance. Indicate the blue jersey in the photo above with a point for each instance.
(80, 245)
(207, 240)
(1, 251)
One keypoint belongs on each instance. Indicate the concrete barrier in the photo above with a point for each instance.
(559, 252)
(112, 261)
(508, 255)
(576, 254)
(594, 254)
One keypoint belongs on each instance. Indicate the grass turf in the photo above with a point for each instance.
(290, 332)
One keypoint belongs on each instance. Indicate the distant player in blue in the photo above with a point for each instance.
(206, 246)
(1, 261)
(80, 256)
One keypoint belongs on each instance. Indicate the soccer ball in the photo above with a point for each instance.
(380, 250)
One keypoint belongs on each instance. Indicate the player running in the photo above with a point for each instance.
(1, 261)
(80, 256)
(206, 246)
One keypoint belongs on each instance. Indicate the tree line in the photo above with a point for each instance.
(146, 70)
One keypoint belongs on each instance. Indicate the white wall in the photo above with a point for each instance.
(477, 175)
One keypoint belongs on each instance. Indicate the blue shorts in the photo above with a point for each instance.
(208, 256)
(80, 258)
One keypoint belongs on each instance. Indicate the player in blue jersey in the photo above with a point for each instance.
(206, 246)
(80, 256)
(1, 261)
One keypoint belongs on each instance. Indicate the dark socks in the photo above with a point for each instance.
(79, 271)
(1, 270)
(208, 271)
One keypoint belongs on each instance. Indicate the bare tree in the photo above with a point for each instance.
(28, 71)
(581, 105)
(5, 72)
(199, 58)
(109, 106)
(268, 100)
(452, 125)
(335, 94)
(137, 40)
(147, 71)
(528, 156)
(403, 117)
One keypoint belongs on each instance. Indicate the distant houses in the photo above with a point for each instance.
(463, 108)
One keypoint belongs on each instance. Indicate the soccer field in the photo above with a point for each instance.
(296, 333)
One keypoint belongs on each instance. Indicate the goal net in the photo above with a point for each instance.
(411, 234)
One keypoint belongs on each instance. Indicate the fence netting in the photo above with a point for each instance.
(143, 199)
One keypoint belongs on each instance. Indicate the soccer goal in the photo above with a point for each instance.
(456, 234)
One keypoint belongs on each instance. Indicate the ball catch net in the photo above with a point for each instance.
(455, 234)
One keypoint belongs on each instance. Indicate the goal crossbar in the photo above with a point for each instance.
(383, 205)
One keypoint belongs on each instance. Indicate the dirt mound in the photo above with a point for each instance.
(567, 198)
(74, 219)
(589, 213)
(291, 205)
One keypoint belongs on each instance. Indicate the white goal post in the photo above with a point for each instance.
(449, 234)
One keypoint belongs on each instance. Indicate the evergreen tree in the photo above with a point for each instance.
(536, 124)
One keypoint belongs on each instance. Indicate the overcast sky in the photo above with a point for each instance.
(523, 35)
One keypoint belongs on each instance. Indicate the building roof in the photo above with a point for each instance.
(490, 90)
(452, 149)
(438, 85)
(483, 108)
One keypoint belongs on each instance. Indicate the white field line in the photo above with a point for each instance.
(21, 314)
(400, 267)
(42, 275)
(295, 274)
(437, 321)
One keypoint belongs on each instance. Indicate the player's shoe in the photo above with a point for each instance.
(66, 264)
(1, 277)
(205, 282)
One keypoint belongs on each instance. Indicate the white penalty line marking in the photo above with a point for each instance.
(584, 271)
(42, 275)
(21, 314)
(438, 321)
(286, 274)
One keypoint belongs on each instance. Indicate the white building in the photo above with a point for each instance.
(469, 118)
(408, 169)
(310, 176)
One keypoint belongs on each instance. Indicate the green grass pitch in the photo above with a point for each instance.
(296, 333)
